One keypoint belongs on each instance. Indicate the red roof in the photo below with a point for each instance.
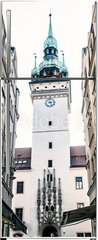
(77, 156)
(22, 159)
(23, 153)
(77, 150)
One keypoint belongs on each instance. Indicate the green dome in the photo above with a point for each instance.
(34, 71)
(50, 42)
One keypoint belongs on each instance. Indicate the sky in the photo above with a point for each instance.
(71, 21)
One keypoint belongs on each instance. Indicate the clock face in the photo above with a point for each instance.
(50, 102)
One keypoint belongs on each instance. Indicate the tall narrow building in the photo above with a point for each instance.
(9, 117)
(51, 191)
(89, 108)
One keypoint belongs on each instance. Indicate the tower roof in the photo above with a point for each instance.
(50, 40)
(50, 66)
(64, 68)
(34, 70)
(50, 32)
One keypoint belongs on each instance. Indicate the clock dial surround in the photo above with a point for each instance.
(50, 102)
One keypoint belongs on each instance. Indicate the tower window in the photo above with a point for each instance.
(49, 163)
(20, 187)
(50, 123)
(47, 208)
(49, 177)
(50, 144)
(19, 213)
(49, 51)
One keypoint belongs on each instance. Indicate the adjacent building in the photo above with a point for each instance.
(89, 109)
(9, 115)
(22, 189)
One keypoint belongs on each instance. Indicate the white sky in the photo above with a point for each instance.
(71, 21)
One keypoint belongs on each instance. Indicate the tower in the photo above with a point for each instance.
(50, 93)
(51, 98)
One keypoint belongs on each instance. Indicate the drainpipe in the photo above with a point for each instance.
(0, 104)
(8, 17)
(7, 118)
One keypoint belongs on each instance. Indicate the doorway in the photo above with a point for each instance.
(50, 231)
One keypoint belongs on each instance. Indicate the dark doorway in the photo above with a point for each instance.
(50, 231)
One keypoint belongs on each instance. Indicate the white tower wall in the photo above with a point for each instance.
(58, 134)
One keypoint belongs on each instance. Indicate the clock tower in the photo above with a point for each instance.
(51, 97)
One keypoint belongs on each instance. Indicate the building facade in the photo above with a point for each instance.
(89, 109)
(24, 183)
(78, 181)
(9, 115)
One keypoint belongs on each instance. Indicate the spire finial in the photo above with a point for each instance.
(35, 72)
(63, 60)
(50, 33)
(35, 65)
(50, 13)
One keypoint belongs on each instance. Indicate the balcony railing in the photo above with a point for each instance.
(50, 63)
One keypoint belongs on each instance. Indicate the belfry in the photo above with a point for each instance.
(51, 66)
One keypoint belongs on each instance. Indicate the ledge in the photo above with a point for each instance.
(48, 79)
(12, 218)
(79, 214)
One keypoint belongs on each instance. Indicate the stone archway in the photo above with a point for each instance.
(50, 231)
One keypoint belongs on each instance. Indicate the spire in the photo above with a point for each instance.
(35, 65)
(50, 40)
(34, 71)
(50, 32)
(63, 59)
(63, 68)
